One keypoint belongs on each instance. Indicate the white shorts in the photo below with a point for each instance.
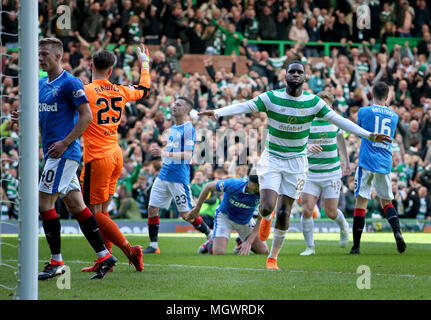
(163, 191)
(329, 188)
(365, 180)
(223, 227)
(59, 176)
(286, 177)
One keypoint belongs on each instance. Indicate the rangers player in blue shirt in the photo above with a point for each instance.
(240, 201)
(374, 167)
(64, 114)
(173, 181)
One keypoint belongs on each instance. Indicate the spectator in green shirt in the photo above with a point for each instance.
(130, 174)
(198, 183)
(233, 38)
(128, 208)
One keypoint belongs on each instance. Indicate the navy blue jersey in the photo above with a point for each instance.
(58, 113)
(181, 138)
(237, 204)
(376, 156)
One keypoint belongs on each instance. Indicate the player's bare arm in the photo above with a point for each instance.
(183, 155)
(209, 187)
(246, 245)
(209, 113)
(352, 127)
(235, 109)
(85, 118)
(341, 143)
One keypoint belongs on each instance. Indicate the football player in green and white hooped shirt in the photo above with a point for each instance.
(324, 177)
(283, 166)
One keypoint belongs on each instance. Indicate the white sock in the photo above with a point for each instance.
(277, 243)
(340, 220)
(102, 253)
(155, 244)
(57, 257)
(308, 231)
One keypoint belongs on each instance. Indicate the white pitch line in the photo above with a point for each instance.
(254, 269)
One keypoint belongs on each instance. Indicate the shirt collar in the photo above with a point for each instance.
(58, 77)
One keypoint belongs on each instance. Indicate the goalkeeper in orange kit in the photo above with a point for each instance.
(103, 158)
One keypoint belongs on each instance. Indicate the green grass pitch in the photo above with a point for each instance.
(179, 273)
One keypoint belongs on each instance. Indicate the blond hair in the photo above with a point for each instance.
(55, 43)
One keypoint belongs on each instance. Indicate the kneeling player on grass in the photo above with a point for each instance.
(240, 200)
(324, 177)
(173, 180)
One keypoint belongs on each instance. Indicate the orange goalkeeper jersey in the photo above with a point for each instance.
(107, 101)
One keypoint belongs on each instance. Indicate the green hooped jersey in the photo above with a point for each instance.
(289, 120)
(324, 134)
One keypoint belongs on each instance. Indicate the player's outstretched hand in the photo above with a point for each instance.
(208, 114)
(380, 137)
(143, 56)
(57, 149)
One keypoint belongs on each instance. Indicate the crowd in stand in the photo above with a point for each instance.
(224, 27)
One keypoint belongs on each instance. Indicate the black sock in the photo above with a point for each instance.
(153, 231)
(52, 230)
(392, 216)
(203, 227)
(91, 231)
(358, 226)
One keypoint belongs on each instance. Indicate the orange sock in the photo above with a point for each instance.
(108, 243)
(110, 230)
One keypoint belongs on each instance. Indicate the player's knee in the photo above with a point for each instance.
(263, 249)
(307, 212)
(283, 210)
(153, 212)
(331, 213)
(43, 207)
(283, 215)
(265, 209)
(218, 251)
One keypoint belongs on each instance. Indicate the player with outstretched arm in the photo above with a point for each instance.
(283, 166)
(103, 157)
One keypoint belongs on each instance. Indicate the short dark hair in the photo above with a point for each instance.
(103, 59)
(189, 103)
(253, 178)
(292, 62)
(380, 90)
